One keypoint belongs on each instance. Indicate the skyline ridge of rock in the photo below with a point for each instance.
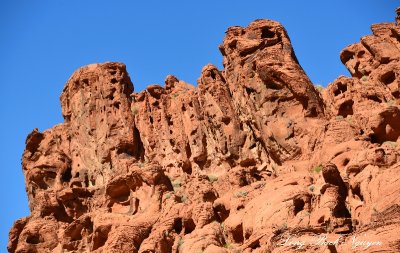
(253, 154)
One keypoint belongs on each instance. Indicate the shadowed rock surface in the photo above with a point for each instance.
(252, 155)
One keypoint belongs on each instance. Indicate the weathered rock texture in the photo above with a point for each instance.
(252, 155)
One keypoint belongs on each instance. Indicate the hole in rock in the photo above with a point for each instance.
(209, 197)
(100, 237)
(127, 149)
(213, 76)
(66, 176)
(120, 192)
(74, 232)
(232, 45)
(86, 180)
(340, 88)
(388, 77)
(138, 145)
(357, 192)
(237, 234)
(226, 120)
(76, 184)
(374, 98)
(346, 109)
(249, 90)
(255, 244)
(169, 120)
(188, 150)
(114, 81)
(33, 239)
(189, 226)
(267, 33)
(85, 81)
(45, 179)
(178, 225)
(298, 205)
(187, 167)
(346, 56)
(373, 138)
(360, 54)
(221, 212)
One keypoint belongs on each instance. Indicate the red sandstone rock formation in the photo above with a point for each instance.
(253, 155)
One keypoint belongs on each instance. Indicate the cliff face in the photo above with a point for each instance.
(254, 155)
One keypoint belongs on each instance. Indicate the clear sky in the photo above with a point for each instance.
(43, 42)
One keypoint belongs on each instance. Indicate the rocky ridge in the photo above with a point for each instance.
(253, 155)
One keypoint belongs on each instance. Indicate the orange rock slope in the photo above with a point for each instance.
(253, 159)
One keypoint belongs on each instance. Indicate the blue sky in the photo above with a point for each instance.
(43, 42)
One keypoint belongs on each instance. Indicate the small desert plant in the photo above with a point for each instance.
(319, 88)
(176, 184)
(134, 109)
(168, 195)
(390, 143)
(339, 117)
(212, 178)
(180, 242)
(282, 228)
(311, 188)
(183, 199)
(227, 245)
(241, 194)
(390, 102)
(317, 169)
(328, 227)
(364, 78)
(349, 118)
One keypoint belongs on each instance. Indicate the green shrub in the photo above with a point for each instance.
(317, 169)
(339, 117)
(319, 88)
(364, 78)
(180, 242)
(241, 194)
(312, 188)
(183, 199)
(176, 184)
(227, 245)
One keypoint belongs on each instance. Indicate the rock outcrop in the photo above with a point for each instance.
(253, 156)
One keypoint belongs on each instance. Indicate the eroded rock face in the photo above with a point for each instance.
(252, 155)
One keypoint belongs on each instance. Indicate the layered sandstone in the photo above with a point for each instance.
(252, 155)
